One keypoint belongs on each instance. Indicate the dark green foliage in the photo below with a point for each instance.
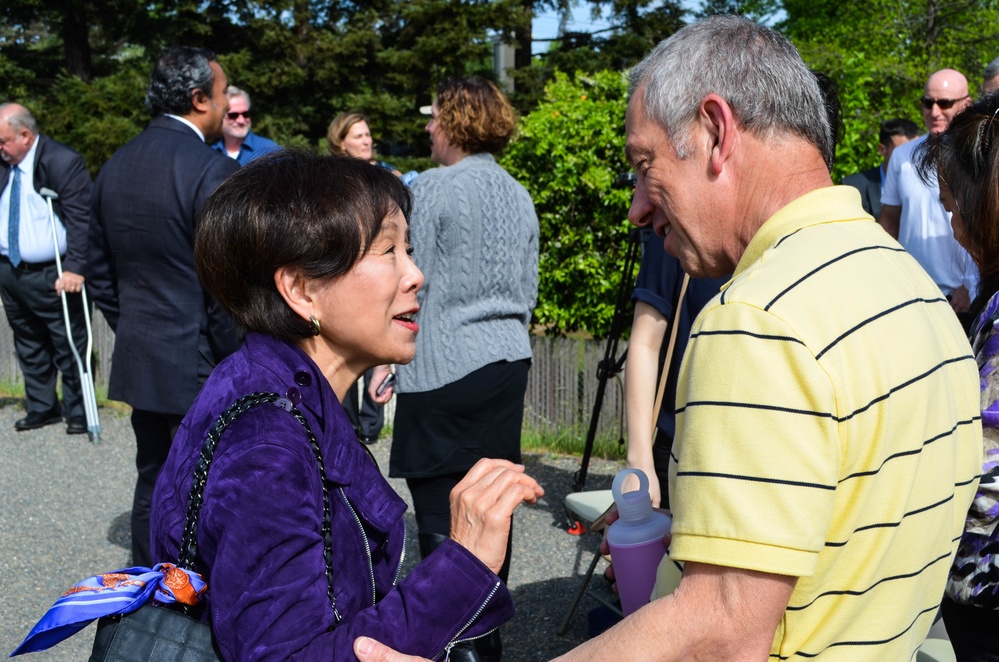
(104, 114)
(82, 67)
(880, 53)
(638, 26)
(568, 155)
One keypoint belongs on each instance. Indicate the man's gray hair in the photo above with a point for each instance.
(233, 91)
(19, 118)
(758, 72)
(178, 71)
(991, 71)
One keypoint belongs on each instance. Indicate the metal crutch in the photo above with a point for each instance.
(86, 375)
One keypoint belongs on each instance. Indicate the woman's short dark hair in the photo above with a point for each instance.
(475, 115)
(966, 158)
(320, 213)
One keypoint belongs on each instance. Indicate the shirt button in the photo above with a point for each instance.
(294, 395)
(303, 378)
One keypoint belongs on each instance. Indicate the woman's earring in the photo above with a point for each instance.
(315, 325)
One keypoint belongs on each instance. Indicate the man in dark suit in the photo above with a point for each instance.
(892, 134)
(30, 285)
(140, 263)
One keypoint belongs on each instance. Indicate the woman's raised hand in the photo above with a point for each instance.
(483, 503)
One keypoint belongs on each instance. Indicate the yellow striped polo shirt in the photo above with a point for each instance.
(829, 429)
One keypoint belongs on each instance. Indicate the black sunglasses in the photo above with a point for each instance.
(246, 114)
(945, 104)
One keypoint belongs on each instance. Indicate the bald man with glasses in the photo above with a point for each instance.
(912, 212)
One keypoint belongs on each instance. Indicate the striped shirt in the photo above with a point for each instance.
(829, 429)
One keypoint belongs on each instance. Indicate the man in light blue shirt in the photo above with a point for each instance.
(238, 141)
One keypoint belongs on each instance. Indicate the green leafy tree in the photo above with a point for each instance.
(880, 53)
(637, 26)
(569, 153)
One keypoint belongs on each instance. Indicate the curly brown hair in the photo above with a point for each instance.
(475, 115)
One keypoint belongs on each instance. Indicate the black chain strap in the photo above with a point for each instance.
(189, 541)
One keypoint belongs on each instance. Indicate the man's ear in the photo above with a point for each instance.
(291, 284)
(199, 100)
(718, 122)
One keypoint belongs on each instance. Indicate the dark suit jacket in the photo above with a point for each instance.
(868, 183)
(61, 169)
(140, 267)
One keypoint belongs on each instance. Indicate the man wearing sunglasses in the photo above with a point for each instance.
(912, 212)
(238, 141)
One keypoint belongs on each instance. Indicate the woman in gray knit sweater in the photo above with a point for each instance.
(475, 236)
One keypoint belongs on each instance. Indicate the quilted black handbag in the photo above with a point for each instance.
(157, 633)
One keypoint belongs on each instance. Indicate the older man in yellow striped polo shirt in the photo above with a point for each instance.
(828, 430)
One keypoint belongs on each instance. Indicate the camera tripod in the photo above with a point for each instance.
(611, 364)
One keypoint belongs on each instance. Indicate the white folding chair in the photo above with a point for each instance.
(590, 507)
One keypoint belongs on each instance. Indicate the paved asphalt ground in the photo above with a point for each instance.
(64, 511)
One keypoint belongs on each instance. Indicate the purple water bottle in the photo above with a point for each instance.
(636, 541)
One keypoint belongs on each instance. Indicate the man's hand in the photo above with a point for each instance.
(69, 282)
(960, 300)
(369, 650)
(890, 219)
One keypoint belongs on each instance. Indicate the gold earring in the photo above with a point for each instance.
(315, 325)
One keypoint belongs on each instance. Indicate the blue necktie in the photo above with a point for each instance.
(14, 220)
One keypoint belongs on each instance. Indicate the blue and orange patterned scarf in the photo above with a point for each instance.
(119, 592)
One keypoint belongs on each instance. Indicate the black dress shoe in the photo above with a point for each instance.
(35, 420)
(463, 652)
(76, 425)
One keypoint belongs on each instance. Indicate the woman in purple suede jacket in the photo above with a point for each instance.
(310, 255)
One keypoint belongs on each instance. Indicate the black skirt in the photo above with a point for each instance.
(449, 429)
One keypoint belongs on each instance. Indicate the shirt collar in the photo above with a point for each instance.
(248, 143)
(188, 123)
(27, 164)
(825, 205)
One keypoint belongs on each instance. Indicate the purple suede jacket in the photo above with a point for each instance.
(259, 536)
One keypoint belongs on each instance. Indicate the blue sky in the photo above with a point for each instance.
(546, 24)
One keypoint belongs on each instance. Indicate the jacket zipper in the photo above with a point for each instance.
(402, 556)
(367, 546)
(456, 639)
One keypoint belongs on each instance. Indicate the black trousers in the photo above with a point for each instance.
(662, 446)
(34, 312)
(369, 417)
(154, 433)
(973, 631)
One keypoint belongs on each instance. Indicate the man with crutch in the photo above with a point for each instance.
(30, 285)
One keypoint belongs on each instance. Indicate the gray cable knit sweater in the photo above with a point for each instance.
(474, 232)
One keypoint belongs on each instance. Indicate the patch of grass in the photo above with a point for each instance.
(569, 441)
(11, 390)
(14, 390)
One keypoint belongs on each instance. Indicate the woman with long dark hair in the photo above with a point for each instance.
(965, 160)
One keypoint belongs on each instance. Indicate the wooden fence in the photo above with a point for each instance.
(561, 387)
